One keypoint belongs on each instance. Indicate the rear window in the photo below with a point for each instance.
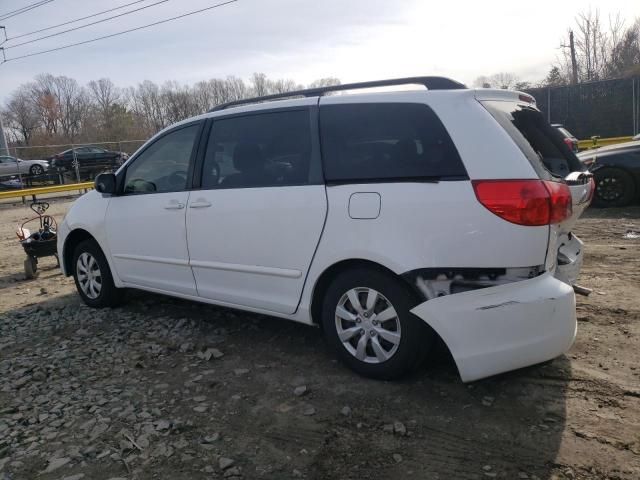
(541, 143)
(386, 141)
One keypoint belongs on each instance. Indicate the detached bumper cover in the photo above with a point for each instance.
(498, 329)
(570, 256)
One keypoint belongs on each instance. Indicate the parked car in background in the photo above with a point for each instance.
(637, 137)
(567, 137)
(88, 158)
(14, 166)
(616, 169)
(388, 226)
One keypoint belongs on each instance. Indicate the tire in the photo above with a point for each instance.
(94, 284)
(35, 170)
(30, 268)
(614, 188)
(387, 360)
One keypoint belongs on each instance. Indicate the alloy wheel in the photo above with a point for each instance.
(610, 189)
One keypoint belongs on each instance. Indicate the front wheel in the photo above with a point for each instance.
(93, 278)
(367, 321)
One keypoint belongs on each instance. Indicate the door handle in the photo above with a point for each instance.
(174, 206)
(199, 204)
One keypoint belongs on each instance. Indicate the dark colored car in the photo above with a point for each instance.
(89, 158)
(617, 173)
(567, 136)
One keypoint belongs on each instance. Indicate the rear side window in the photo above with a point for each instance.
(386, 141)
(260, 150)
(541, 143)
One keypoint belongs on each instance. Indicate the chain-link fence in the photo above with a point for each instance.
(609, 108)
(44, 165)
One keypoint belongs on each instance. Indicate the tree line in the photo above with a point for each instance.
(58, 110)
(602, 50)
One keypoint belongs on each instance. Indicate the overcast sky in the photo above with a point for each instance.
(354, 40)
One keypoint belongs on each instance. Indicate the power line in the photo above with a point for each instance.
(84, 26)
(76, 20)
(22, 10)
(120, 33)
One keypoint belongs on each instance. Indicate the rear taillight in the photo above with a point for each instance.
(568, 142)
(525, 202)
(560, 201)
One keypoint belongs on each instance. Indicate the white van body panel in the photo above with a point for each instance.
(266, 251)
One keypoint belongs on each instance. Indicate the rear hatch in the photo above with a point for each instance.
(552, 160)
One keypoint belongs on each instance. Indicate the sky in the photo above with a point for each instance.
(354, 40)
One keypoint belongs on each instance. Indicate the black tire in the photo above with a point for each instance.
(35, 170)
(109, 295)
(416, 338)
(614, 188)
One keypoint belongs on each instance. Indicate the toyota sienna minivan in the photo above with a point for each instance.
(387, 218)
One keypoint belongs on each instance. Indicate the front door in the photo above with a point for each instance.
(145, 224)
(254, 225)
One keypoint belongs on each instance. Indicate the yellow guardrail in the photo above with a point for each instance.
(595, 142)
(32, 192)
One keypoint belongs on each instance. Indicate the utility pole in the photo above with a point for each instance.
(574, 62)
(4, 148)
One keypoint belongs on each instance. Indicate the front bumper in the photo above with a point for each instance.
(502, 328)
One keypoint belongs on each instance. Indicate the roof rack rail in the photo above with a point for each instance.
(431, 83)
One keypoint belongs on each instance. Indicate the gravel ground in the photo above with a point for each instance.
(163, 388)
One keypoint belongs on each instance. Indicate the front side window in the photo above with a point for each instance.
(259, 150)
(163, 166)
(386, 141)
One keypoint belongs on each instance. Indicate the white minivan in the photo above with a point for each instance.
(388, 219)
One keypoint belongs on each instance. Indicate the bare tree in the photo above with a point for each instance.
(260, 85)
(482, 82)
(106, 97)
(59, 109)
(325, 82)
(21, 114)
(504, 80)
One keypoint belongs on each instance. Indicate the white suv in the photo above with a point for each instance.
(386, 218)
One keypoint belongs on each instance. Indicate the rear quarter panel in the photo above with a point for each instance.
(435, 225)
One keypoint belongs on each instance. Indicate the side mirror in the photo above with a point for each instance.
(105, 183)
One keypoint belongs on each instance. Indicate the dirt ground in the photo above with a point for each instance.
(169, 389)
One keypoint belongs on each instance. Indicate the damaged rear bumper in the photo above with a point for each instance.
(502, 328)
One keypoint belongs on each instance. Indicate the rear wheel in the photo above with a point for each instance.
(367, 321)
(93, 278)
(614, 188)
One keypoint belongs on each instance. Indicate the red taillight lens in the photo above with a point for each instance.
(560, 201)
(568, 142)
(525, 202)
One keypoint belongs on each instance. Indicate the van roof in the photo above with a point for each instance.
(431, 83)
